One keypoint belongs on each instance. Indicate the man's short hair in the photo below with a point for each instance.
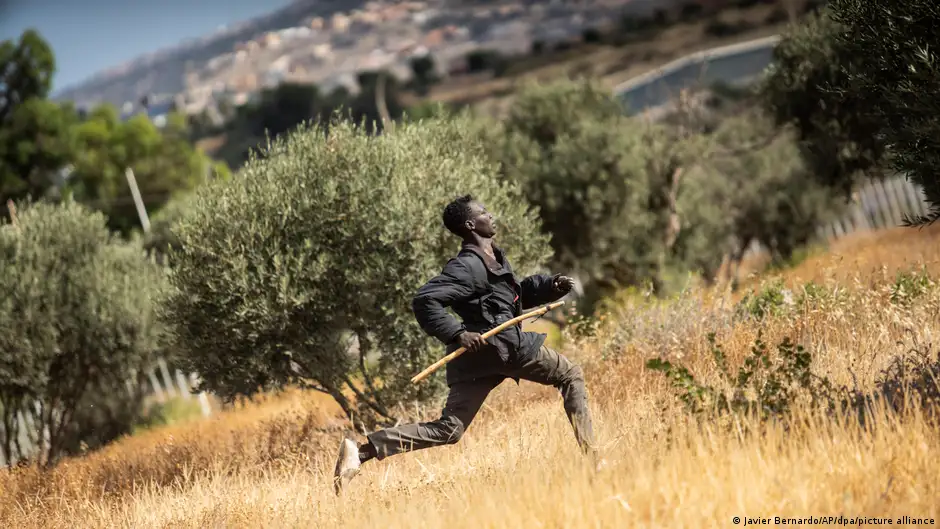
(457, 213)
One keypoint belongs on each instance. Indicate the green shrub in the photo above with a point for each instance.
(77, 320)
(770, 389)
(909, 285)
(599, 179)
(761, 386)
(771, 299)
(324, 241)
(890, 55)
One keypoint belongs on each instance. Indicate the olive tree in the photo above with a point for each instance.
(160, 239)
(77, 321)
(605, 184)
(893, 72)
(804, 87)
(768, 192)
(302, 268)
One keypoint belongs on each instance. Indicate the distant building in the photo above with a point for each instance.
(156, 107)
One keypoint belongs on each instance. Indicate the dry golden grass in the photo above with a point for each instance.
(269, 464)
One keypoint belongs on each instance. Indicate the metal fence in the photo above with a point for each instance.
(879, 204)
(162, 385)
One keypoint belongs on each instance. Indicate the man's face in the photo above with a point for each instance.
(481, 221)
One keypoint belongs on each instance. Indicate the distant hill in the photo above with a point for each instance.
(163, 72)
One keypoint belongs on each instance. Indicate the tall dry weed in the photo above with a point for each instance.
(867, 312)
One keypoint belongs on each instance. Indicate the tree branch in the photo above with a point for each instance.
(378, 408)
(310, 385)
(342, 401)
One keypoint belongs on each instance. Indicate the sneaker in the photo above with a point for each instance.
(347, 464)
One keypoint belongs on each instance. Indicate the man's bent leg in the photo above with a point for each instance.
(463, 403)
(551, 368)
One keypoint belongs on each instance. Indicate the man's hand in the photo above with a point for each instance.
(473, 341)
(562, 284)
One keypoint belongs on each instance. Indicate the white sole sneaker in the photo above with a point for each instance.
(347, 464)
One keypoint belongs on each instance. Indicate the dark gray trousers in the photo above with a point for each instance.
(465, 399)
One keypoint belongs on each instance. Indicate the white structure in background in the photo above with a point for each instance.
(277, 71)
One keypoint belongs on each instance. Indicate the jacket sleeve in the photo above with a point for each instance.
(455, 283)
(538, 290)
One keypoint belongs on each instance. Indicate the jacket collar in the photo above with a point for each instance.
(492, 266)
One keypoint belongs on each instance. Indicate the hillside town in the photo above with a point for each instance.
(329, 51)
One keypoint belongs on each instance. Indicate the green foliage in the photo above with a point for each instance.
(324, 239)
(40, 139)
(601, 181)
(281, 109)
(428, 109)
(629, 203)
(812, 293)
(893, 75)
(486, 60)
(909, 285)
(759, 179)
(161, 240)
(769, 389)
(424, 72)
(838, 136)
(26, 70)
(76, 321)
(174, 410)
(762, 387)
(164, 164)
(770, 300)
(36, 140)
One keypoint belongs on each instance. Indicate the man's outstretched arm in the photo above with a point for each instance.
(540, 289)
(455, 283)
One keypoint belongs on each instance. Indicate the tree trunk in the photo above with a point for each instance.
(365, 347)
(381, 103)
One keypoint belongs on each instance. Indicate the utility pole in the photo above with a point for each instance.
(139, 202)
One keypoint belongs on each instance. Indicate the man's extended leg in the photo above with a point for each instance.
(551, 368)
(463, 403)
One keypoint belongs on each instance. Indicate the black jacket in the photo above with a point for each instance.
(483, 294)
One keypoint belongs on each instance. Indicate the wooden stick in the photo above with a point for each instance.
(492, 332)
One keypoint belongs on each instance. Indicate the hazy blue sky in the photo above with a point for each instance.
(88, 36)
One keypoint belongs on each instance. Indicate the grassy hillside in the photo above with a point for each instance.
(268, 463)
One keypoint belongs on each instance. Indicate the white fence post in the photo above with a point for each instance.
(157, 389)
(183, 386)
(168, 384)
(203, 398)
